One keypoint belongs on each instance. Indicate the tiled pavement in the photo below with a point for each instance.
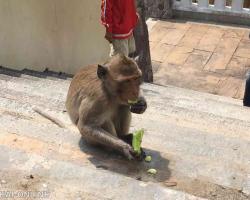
(199, 56)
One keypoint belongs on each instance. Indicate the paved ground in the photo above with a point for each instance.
(200, 56)
(199, 144)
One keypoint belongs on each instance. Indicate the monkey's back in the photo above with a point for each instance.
(85, 80)
(85, 84)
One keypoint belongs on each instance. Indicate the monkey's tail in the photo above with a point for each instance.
(47, 116)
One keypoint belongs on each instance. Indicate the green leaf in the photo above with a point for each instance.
(137, 140)
(132, 102)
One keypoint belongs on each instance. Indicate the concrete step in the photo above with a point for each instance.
(39, 79)
(167, 104)
(36, 82)
(33, 75)
(42, 88)
(189, 108)
(21, 79)
(177, 153)
(52, 179)
(207, 103)
(199, 140)
(186, 141)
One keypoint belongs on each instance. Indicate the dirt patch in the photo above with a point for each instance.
(14, 185)
(208, 190)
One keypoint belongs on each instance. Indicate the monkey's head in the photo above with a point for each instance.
(121, 77)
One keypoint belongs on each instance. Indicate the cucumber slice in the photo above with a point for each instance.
(148, 158)
(152, 171)
(132, 102)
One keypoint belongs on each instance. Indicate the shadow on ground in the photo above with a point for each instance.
(45, 74)
(114, 162)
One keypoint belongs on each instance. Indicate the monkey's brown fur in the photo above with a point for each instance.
(97, 102)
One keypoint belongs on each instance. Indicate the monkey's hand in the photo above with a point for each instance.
(128, 139)
(128, 152)
(142, 155)
(140, 106)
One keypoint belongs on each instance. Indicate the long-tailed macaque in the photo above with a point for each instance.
(97, 102)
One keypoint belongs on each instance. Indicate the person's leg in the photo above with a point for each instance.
(131, 46)
(246, 100)
(119, 46)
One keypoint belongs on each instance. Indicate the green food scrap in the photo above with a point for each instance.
(132, 102)
(152, 171)
(137, 140)
(148, 158)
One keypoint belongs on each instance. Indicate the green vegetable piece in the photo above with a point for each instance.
(132, 102)
(148, 158)
(137, 140)
(152, 171)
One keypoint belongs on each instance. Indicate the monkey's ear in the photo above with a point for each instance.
(102, 71)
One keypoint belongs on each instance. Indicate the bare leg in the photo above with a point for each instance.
(109, 127)
(246, 100)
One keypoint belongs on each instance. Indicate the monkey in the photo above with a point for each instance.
(97, 103)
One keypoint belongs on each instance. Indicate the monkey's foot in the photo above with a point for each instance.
(128, 152)
(141, 156)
